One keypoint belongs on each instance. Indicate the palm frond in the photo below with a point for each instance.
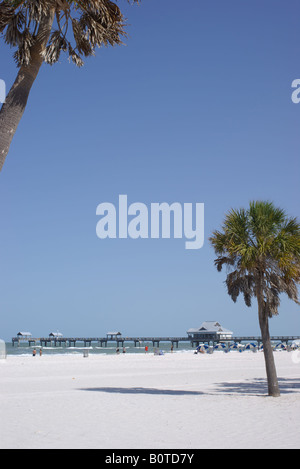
(260, 245)
(94, 23)
(23, 55)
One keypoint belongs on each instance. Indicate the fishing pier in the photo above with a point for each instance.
(138, 341)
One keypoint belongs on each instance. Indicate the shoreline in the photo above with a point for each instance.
(131, 350)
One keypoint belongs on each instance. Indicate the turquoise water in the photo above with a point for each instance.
(111, 348)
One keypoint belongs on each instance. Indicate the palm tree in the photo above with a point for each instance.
(41, 30)
(261, 248)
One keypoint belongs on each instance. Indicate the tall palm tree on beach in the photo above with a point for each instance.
(41, 30)
(261, 248)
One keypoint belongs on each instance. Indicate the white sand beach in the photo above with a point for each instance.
(134, 401)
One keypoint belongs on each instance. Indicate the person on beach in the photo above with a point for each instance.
(146, 349)
(34, 352)
(124, 350)
(117, 350)
(172, 348)
(41, 352)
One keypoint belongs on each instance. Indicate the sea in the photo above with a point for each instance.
(112, 348)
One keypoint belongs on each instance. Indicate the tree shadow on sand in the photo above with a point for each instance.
(140, 390)
(254, 387)
(258, 387)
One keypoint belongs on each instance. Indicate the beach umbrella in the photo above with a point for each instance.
(280, 346)
(220, 346)
(233, 346)
(236, 346)
(202, 348)
(251, 346)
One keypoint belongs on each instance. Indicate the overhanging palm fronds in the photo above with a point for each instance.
(79, 27)
(40, 30)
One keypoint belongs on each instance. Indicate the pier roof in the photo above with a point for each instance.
(208, 327)
(55, 334)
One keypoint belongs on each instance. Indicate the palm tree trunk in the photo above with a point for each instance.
(15, 103)
(273, 387)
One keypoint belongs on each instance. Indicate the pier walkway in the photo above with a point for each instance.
(138, 341)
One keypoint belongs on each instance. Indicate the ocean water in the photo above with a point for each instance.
(164, 347)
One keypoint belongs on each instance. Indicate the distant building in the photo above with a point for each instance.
(113, 335)
(210, 330)
(55, 335)
(24, 335)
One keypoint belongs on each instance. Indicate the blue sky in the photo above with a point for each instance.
(195, 108)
